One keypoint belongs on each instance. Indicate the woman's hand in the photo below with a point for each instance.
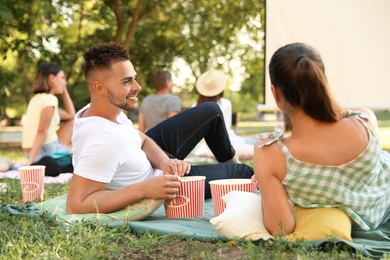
(254, 181)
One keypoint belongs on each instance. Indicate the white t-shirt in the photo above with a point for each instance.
(107, 152)
(33, 116)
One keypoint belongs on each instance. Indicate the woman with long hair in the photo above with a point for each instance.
(333, 157)
(42, 132)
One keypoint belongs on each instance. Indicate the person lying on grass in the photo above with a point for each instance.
(116, 165)
(333, 158)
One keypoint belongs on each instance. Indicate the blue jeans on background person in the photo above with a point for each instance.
(178, 136)
(48, 149)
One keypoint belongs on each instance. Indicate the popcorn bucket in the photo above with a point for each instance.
(189, 202)
(221, 187)
(32, 181)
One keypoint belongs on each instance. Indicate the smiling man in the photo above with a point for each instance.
(116, 165)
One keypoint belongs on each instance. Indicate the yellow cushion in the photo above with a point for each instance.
(57, 208)
(321, 223)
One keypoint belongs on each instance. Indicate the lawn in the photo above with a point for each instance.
(40, 237)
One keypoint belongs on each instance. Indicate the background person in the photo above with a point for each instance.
(40, 136)
(116, 165)
(333, 158)
(210, 86)
(163, 104)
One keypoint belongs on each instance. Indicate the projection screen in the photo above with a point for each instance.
(352, 36)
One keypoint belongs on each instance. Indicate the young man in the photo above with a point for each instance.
(116, 165)
(161, 105)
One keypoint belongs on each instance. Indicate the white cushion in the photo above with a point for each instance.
(242, 218)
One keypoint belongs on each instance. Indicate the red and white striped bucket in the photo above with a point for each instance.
(189, 202)
(31, 180)
(221, 187)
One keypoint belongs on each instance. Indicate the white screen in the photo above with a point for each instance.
(352, 36)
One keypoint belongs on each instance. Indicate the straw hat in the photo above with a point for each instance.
(211, 83)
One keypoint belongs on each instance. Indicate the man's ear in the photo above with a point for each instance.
(99, 88)
(167, 85)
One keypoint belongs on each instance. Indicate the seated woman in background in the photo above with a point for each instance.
(333, 158)
(40, 136)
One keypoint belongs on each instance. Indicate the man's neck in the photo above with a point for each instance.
(107, 113)
(162, 91)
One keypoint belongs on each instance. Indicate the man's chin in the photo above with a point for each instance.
(132, 107)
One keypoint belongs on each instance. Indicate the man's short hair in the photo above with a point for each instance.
(160, 78)
(101, 57)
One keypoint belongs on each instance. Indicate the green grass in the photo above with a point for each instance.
(40, 237)
(383, 119)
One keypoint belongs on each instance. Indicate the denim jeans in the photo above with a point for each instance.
(178, 136)
(50, 148)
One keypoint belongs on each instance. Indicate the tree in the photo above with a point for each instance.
(25, 28)
(204, 33)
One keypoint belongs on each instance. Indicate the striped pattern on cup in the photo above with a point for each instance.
(189, 202)
(32, 182)
(221, 187)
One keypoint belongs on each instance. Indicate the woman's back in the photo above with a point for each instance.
(328, 143)
(359, 185)
(32, 118)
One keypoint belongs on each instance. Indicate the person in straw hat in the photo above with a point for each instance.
(210, 86)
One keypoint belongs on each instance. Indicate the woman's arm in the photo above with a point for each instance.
(43, 127)
(68, 112)
(269, 168)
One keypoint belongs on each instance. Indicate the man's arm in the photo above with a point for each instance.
(172, 113)
(141, 122)
(174, 107)
(160, 160)
(88, 196)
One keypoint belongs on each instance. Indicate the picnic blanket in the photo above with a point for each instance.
(374, 243)
(61, 178)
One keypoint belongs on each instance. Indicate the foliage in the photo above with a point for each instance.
(204, 34)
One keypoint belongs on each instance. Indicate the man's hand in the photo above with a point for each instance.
(162, 187)
(176, 167)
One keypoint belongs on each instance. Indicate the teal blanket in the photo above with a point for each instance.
(373, 243)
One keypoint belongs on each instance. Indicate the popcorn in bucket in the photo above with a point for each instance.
(32, 182)
(189, 202)
(221, 187)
